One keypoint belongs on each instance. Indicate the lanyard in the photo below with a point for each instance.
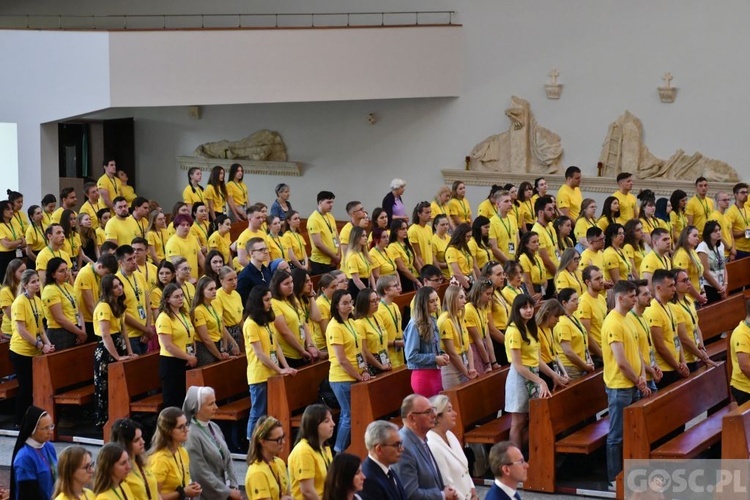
(506, 226)
(325, 219)
(697, 263)
(114, 185)
(354, 334)
(664, 262)
(742, 214)
(277, 241)
(47, 459)
(580, 285)
(18, 217)
(326, 462)
(183, 320)
(704, 204)
(300, 245)
(270, 334)
(34, 310)
(646, 330)
(38, 229)
(200, 226)
(385, 256)
(242, 188)
(211, 436)
(186, 291)
(460, 331)
(211, 309)
(135, 288)
(277, 476)
(647, 220)
(397, 324)
(142, 475)
(376, 327)
(182, 465)
(10, 226)
(67, 295)
(538, 263)
(407, 251)
(624, 261)
(141, 227)
(668, 313)
(501, 300)
(580, 327)
(197, 189)
(687, 309)
(121, 491)
(464, 208)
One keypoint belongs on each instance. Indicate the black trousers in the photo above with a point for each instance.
(317, 268)
(24, 375)
(172, 376)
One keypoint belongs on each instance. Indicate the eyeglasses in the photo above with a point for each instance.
(517, 462)
(264, 249)
(398, 445)
(88, 467)
(438, 279)
(277, 440)
(186, 268)
(183, 427)
(425, 412)
(50, 427)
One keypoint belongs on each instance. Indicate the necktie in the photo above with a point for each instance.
(517, 496)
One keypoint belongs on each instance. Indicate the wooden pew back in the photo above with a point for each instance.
(738, 275)
(128, 381)
(8, 388)
(477, 401)
(722, 316)
(228, 378)
(735, 434)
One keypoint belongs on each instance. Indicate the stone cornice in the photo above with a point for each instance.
(249, 166)
(662, 187)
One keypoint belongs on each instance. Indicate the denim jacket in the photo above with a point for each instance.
(421, 354)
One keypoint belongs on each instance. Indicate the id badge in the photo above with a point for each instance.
(336, 241)
(384, 359)
(274, 359)
(141, 312)
(464, 359)
(512, 248)
(747, 233)
(589, 361)
(398, 348)
(544, 289)
(677, 343)
(557, 254)
(361, 361)
(695, 337)
(190, 349)
(721, 278)
(302, 334)
(19, 253)
(652, 357)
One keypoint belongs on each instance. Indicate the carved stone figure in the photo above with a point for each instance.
(524, 147)
(263, 145)
(623, 151)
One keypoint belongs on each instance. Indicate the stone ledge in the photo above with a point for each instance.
(662, 187)
(287, 168)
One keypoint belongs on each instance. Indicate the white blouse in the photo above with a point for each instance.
(452, 462)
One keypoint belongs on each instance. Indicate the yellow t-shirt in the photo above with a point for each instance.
(526, 212)
(216, 197)
(652, 261)
(135, 288)
(566, 279)
(529, 350)
(397, 250)
(35, 237)
(220, 243)
(257, 372)
(441, 245)
(390, 319)
(422, 236)
(591, 258)
(689, 316)
(666, 318)
(635, 254)
(262, 480)
(249, 234)
(276, 248)
(293, 322)
(628, 206)
(345, 335)
(137, 485)
(294, 242)
(449, 331)
(487, 209)
(546, 344)
(46, 254)
(582, 225)
(112, 185)
(20, 221)
(200, 232)
(190, 197)
(65, 296)
(504, 230)
(6, 300)
(374, 333)
(170, 470)
(128, 193)
(91, 209)
(460, 209)
(188, 248)
(325, 226)
(230, 305)
(740, 342)
(101, 236)
(155, 298)
(346, 231)
(700, 210)
(357, 262)
(87, 279)
(150, 274)
(500, 310)
(117, 494)
(616, 259)
(57, 215)
(477, 318)
(679, 222)
(617, 329)
(28, 311)
(122, 231)
(739, 220)
(464, 260)
(482, 255)
(237, 191)
(571, 330)
(72, 245)
(306, 463)
(640, 326)
(87, 494)
(324, 305)
(102, 312)
(211, 319)
(548, 242)
(535, 269)
(595, 310)
(690, 262)
(570, 198)
(181, 330)
(510, 293)
(726, 230)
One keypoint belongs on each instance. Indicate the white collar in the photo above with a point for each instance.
(34, 443)
(385, 468)
(507, 489)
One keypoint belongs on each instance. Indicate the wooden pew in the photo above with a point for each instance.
(289, 396)
(377, 399)
(130, 383)
(477, 403)
(8, 388)
(563, 412)
(718, 318)
(229, 381)
(735, 434)
(651, 419)
(64, 378)
(738, 275)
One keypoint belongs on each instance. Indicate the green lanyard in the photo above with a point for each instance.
(211, 309)
(270, 335)
(34, 310)
(580, 285)
(385, 256)
(205, 231)
(666, 263)
(185, 323)
(18, 217)
(580, 327)
(376, 327)
(186, 292)
(67, 296)
(182, 465)
(135, 288)
(141, 228)
(464, 208)
(277, 241)
(646, 330)
(118, 495)
(114, 185)
(668, 313)
(354, 334)
(500, 299)
(704, 204)
(687, 309)
(624, 261)
(409, 256)
(10, 226)
(506, 226)
(397, 324)
(365, 261)
(242, 188)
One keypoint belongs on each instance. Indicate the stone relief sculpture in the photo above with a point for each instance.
(263, 145)
(525, 147)
(623, 151)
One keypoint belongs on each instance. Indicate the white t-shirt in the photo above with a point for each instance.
(716, 262)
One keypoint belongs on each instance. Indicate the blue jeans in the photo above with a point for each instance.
(617, 399)
(258, 406)
(343, 392)
(138, 347)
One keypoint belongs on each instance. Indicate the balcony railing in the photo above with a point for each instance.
(228, 21)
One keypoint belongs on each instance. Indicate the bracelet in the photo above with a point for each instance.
(181, 491)
(309, 345)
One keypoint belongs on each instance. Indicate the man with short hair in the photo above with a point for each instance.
(592, 309)
(147, 269)
(593, 255)
(700, 206)
(87, 288)
(420, 235)
(357, 216)
(184, 244)
(738, 218)
(503, 229)
(430, 276)
(109, 184)
(569, 196)
(255, 272)
(92, 204)
(723, 201)
(54, 248)
(658, 257)
(628, 203)
(122, 228)
(739, 351)
(509, 469)
(68, 201)
(640, 324)
(417, 467)
(664, 322)
(549, 252)
(324, 237)
(624, 370)
(255, 220)
(140, 208)
(138, 323)
(384, 448)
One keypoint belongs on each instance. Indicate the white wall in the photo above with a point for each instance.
(8, 157)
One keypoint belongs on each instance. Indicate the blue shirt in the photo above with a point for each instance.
(36, 465)
(249, 277)
(421, 354)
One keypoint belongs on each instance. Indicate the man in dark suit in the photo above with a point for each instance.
(384, 448)
(417, 468)
(509, 468)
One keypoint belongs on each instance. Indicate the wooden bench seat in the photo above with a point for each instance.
(565, 423)
(149, 404)
(694, 440)
(377, 399)
(64, 378)
(735, 434)
(228, 379)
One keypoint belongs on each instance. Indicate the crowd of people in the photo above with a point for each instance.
(536, 281)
